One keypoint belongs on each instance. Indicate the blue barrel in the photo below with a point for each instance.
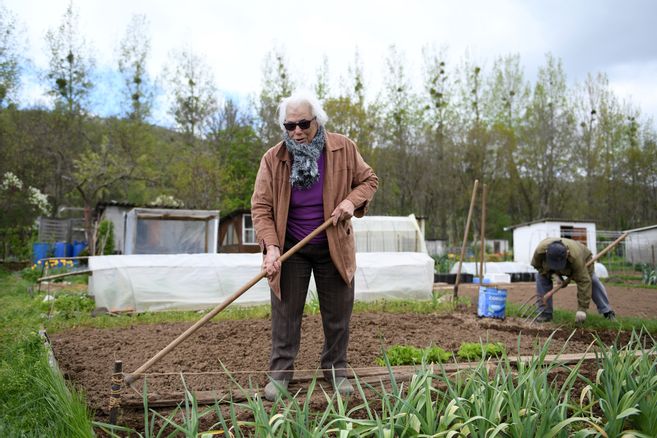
(492, 302)
(78, 247)
(63, 249)
(40, 251)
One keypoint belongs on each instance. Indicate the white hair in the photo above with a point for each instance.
(301, 97)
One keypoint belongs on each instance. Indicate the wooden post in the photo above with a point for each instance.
(483, 234)
(115, 393)
(465, 240)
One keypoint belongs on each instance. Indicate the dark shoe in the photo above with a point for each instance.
(611, 316)
(343, 386)
(275, 389)
(544, 317)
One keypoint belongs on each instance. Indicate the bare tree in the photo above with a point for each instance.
(193, 92)
(69, 73)
(133, 55)
(277, 84)
(9, 57)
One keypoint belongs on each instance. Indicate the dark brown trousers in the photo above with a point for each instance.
(336, 300)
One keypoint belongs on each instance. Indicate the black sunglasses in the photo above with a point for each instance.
(303, 124)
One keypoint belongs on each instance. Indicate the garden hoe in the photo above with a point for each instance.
(131, 378)
(532, 316)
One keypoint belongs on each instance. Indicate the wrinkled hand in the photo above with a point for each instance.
(270, 262)
(344, 211)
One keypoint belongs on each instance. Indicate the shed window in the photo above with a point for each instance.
(248, 232)
(230, 238)
(574, 233)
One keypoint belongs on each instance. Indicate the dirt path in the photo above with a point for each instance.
(626, 301)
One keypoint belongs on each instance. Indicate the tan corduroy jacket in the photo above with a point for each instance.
(346, 176)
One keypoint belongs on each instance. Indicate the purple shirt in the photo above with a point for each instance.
(306, 211)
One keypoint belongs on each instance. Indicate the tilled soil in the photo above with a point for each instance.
(86, 355)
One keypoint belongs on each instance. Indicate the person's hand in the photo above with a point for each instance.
(270, 262)
(344, 211)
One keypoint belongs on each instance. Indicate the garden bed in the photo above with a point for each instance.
(86, 355)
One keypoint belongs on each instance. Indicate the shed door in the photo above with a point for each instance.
(574, 233)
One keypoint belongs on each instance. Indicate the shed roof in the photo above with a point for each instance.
(545, 220)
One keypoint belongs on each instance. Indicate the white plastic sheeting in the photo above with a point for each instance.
(200, 281)
(513, 268)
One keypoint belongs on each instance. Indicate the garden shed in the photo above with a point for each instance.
(527, 236)
(170, 231)
(641, 245)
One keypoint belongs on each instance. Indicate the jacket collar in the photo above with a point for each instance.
(330, 145)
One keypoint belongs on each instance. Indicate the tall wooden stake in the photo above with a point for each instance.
(115, 393)
(465, 239)
(483, 234)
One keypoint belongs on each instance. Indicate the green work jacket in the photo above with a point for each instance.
(575, 269)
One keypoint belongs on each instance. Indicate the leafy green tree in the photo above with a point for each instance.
(21, 205)
(138, 89)
(238, 150)
(96, 171)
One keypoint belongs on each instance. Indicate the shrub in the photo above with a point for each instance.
(105, 242)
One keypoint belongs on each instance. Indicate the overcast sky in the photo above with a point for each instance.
(618, 38)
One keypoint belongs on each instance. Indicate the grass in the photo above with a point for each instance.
(34, 399)
(623, 283)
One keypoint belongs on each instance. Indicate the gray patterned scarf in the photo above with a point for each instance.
(305, 171)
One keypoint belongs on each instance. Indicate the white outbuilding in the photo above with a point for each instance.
(527, 236)
(641, 245)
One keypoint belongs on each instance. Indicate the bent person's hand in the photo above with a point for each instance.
(344, 211)
(270, 262)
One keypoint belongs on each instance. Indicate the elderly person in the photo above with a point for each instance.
(567, 257)
(309, 177)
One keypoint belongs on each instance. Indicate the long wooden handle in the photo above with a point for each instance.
(465, 239)
(563, 284)
(130, 378)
